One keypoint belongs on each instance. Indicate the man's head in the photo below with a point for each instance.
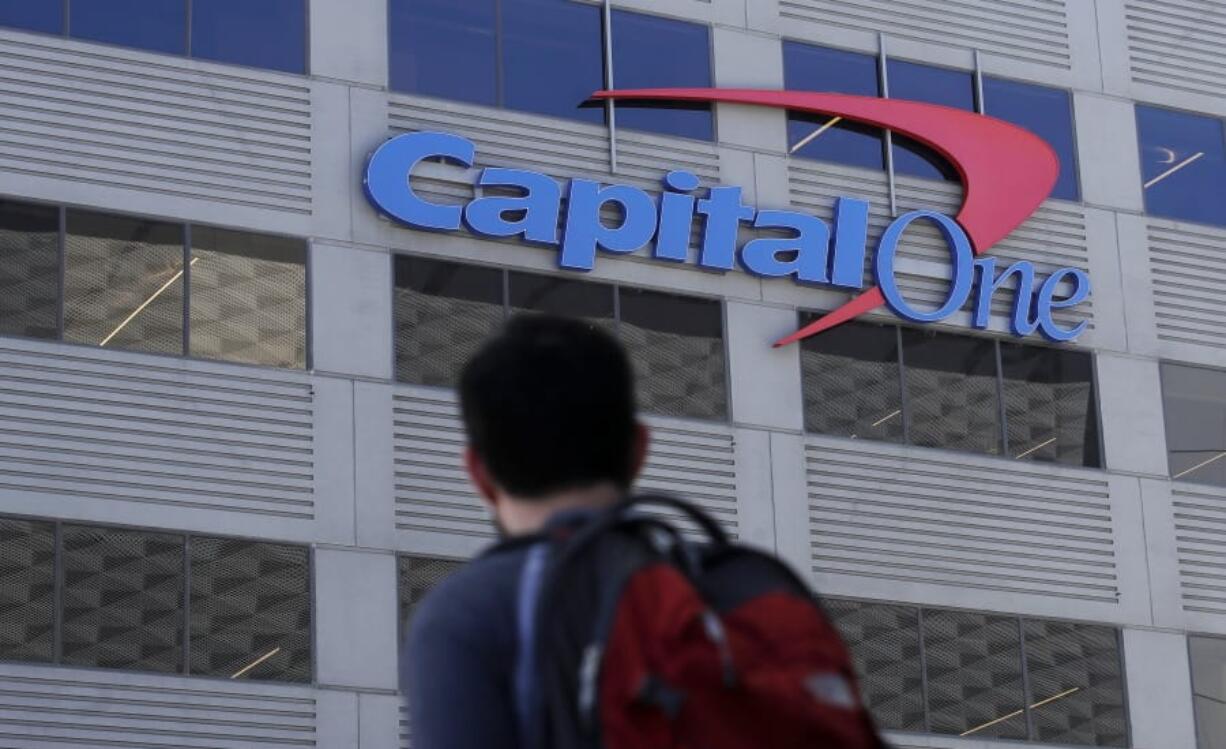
(549, 408)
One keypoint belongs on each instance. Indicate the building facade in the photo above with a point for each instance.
(229, 447)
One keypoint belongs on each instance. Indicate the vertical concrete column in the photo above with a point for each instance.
(1159, 690)
(1130, 397)
(349, 41)
(745, 59)
(351, 311)
(1107, 152)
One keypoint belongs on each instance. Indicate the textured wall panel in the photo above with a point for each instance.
(1188, 268)
(89, 426)
(154, 123)
(1177, 44)
(1030, 30)
(1200, 534)
(54, 708)
(691, 459)
(879, 511)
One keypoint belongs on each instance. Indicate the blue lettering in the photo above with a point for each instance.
(539, 205)
(960, 253)
(850, 242)
(676, 217)
(1020, 322)
(387, 178)
(811, 245)
(725, 212)
(1046, 302)
(585, 232)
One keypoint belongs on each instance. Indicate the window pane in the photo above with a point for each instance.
(654, 52)
(250, 610)
(561, 296)
(33, 15)
(29, 269)
(1183, 165)
(156, 25)
(974, 665)
(1046, 112)
(1194, 400)
(123, 286)
(261, 33)
(951, 88)
(676, 345)
(444, 311)
(1208, 655)
(809, 68)
(884, 642)
(444, 48)
(552, 58)
(1076, 684)
(248, 297)
(851, 382)
(417, 576)
(123, 599)
(27, 586)
(1050, 405)
(951, 391)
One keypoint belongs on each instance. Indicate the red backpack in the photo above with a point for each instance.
(632, 638)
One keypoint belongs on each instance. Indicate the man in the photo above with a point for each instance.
(548, 405)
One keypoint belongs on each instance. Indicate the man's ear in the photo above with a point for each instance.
(480, 476)
(638, 451)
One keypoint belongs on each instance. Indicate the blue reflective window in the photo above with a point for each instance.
(809, 68)
(46, 16)
(155, 25)
(1046, 112)
(654, 52)
(267, 34)
(951, 88)
(445, 48)
(1183, 165)
(552, 58)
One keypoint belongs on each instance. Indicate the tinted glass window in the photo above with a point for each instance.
(809, 68)
(27, 590)
(552, 59)
(676, 345)
(261, 33)
(852, 386)
(562, 296)
(443, 313)
(29, 269)
(1076, 684)
(951, 391)
(122, 599)
(250, 610)
(1046, 112)
(123, 285)
(444, 48)
(654, 52)
(248, 297)
(951, 88)
(977, 656)
(885, 644)
(1050, 405)
(33, 15)
(155, 25)
(1183, 165)
(1194, 400)
(416, 577)
(1208, 655)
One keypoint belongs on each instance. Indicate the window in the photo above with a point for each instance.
(444, 310)
(655, 52)
(239, 296)
(1046, 112)
(416, 577)
(268, 34)
(154, 601)
(882, 382)
(1183, 165)
(986, 675)
(547, 57)
(1194, 401)
(951, 88)
(810, 68)
(1208, 657)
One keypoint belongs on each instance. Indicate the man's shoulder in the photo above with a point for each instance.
(483, 587)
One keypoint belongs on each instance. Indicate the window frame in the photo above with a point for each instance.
(1163, 363)
(614, 285)
(61, 249)
(184, 666)
(1137, 106)
(1001, 416)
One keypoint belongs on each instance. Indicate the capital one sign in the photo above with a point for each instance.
(1006, 171)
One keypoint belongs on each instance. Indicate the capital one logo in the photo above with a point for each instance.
(1006, 172)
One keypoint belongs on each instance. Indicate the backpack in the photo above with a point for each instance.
(631, 636)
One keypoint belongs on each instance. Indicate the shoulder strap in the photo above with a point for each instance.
(526, 691)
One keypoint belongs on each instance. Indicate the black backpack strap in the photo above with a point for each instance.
(525, 684)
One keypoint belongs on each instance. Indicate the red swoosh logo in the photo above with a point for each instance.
(1006, 170)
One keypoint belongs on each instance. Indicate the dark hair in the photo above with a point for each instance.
(549, 404)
